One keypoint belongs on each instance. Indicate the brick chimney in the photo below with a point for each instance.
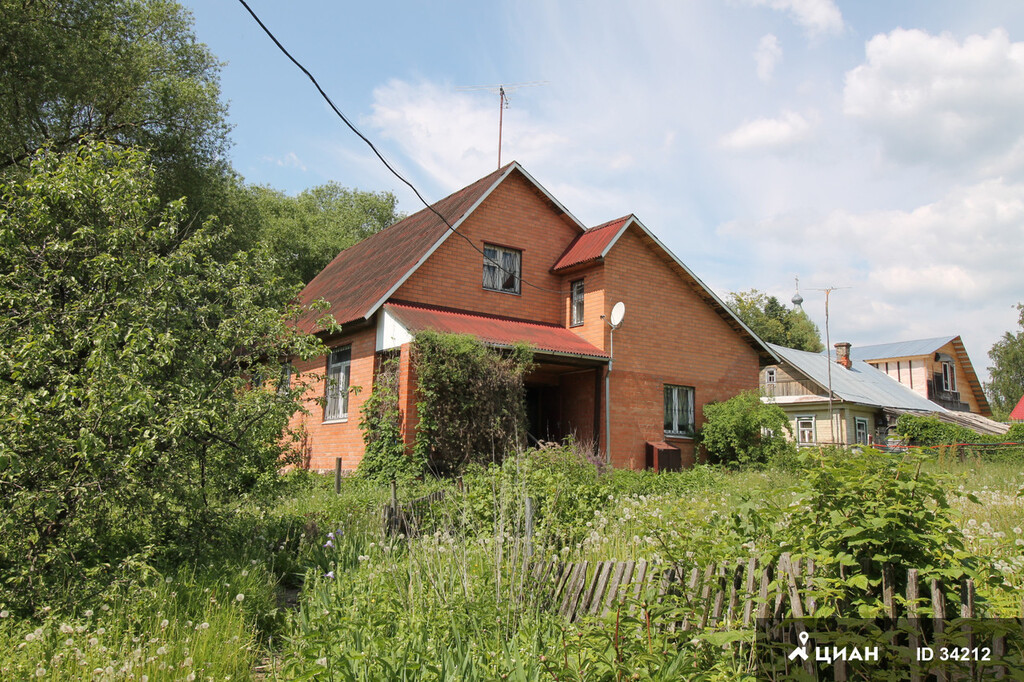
(843, 354)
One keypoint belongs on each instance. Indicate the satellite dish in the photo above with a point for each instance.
(618, 311)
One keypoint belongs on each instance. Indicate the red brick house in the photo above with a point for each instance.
(678, 348)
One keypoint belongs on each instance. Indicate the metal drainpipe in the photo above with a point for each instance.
(608, 400)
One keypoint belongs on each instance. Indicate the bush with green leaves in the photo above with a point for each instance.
(126, 357)
(470, 400)
(856, 511)
(746, 430)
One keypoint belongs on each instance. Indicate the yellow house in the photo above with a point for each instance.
(847, 402)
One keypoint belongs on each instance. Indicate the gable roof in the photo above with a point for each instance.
(592, 244)
(919, 347)
(1017, 413)
(900, 349)
(493, 329)
(362, 277)
(595, 243)
(862, 383)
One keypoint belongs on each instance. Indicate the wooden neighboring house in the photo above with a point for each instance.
(866, 402)
(678, 348)
(938, 369)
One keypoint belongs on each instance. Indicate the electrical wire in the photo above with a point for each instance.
(380, 156)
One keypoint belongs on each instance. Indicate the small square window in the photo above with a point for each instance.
(805, 430)
(576, 306)
(502, 269)
(679, 411)
(338, 365)
(769, 375)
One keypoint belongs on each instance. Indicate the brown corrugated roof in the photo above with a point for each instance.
(591, 244)
(359, 277)
(498, 331)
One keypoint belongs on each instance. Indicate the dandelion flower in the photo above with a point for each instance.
(161, 651)
(239, 597)
(321, 662)
(66, 629)
(101, 631)
(164, 623)
(30, 637)
(4, 613)
(105, 608)
(88, 613)
(204, 626)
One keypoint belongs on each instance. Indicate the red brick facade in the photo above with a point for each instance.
(675, 332)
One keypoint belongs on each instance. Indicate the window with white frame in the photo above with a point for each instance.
(576, 307)
(948, 376)
(502, 269)
(769, 375)
(338, 364)
(805, 430)
(861, 430)
(679, 411)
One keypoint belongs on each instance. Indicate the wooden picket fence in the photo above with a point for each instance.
(730, 591)
(751, 595)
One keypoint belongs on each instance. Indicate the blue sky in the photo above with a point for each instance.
(872, 145)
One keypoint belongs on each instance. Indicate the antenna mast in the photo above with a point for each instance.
(828, 356)
(502, 91)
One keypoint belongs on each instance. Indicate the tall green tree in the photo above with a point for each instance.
(774, 322)
(127, 357)
(307, 231)
(1007, 370)
(129, 72)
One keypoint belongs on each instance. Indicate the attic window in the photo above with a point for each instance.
(948, 377)
(502, 269)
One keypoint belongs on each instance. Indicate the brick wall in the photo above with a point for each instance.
(515, 215)
(669, 336)
(337, 439)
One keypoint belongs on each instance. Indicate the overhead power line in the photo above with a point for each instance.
(380, 156)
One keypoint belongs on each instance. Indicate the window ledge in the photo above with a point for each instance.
(342, 420)
(677, 436)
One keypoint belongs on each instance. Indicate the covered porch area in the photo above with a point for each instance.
(564, 391)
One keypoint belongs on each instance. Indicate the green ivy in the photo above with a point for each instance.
(385, 457)
(471, 400)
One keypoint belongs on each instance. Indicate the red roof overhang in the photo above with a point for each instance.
(493, 330)
(591, 245)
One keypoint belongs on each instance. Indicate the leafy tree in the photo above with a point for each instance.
(774, 322)
(1007, 370)
(745, 430)
(127, 353)
(126, 71)
(307, 231)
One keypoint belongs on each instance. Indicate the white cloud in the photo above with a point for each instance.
(767, 56)
(772, 134)
(289, 160)
(948, 267)
(453, 135)
(815, 16)
(936, 101)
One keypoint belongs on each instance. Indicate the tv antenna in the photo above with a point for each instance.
(501, 90)
(828, 356)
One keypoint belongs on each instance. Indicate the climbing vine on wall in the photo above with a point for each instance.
(470, 400)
